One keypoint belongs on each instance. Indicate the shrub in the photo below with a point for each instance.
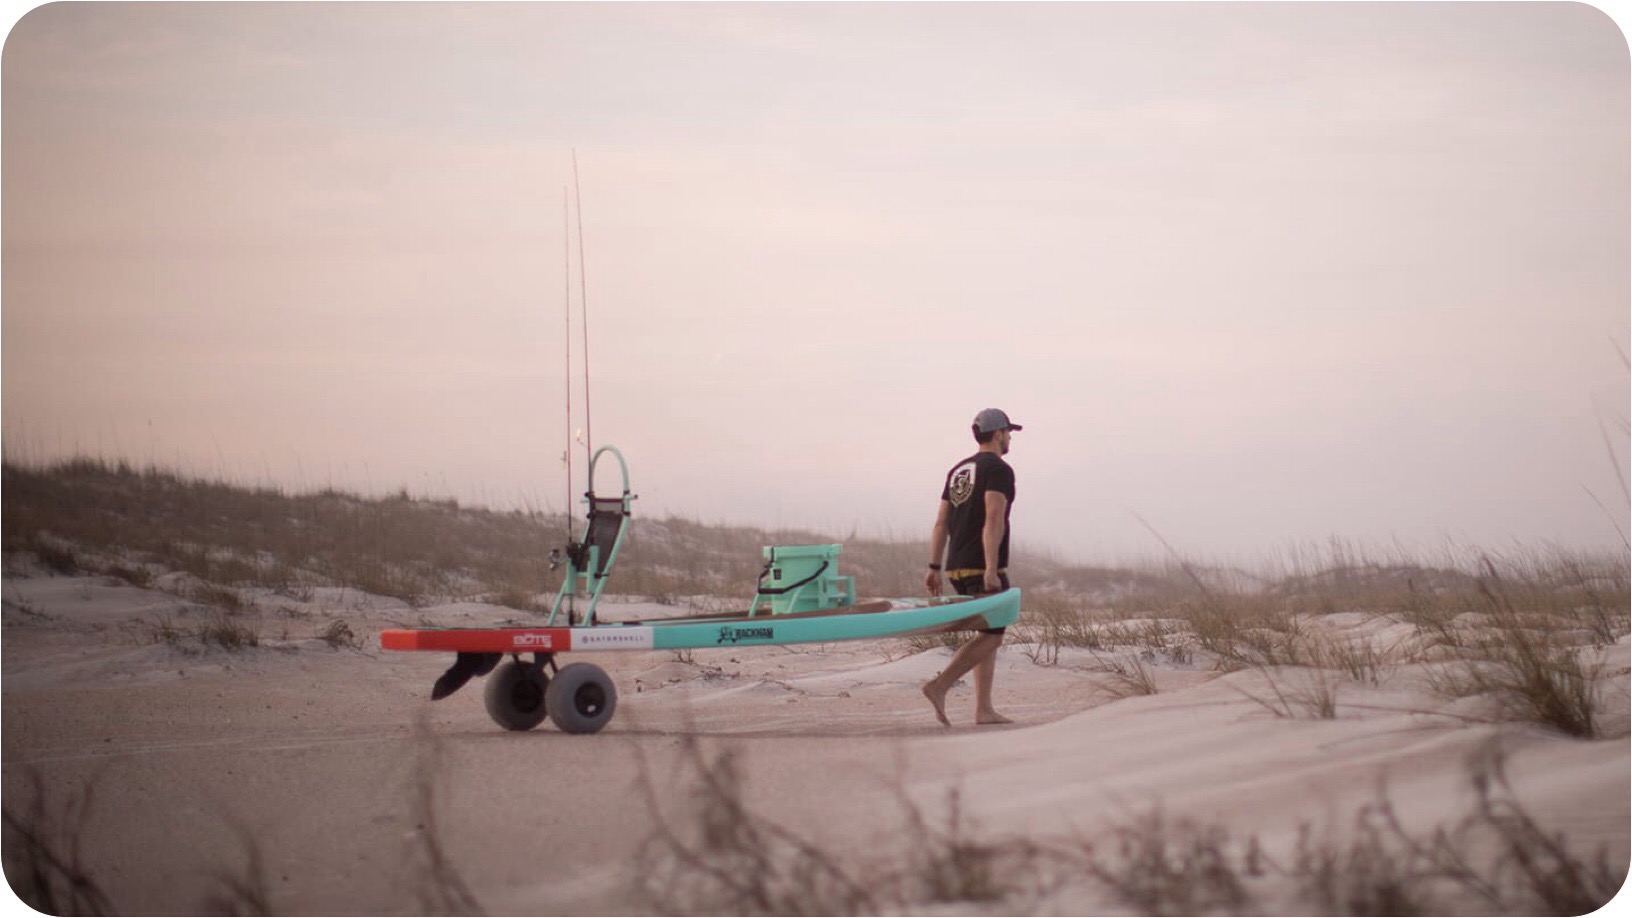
(339, 635)
(1528, 670)
(136, 576)
(227, 633)
(221, 597)
(218, 628)
(1129, 677)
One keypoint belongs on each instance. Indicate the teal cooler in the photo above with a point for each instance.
(803, 578)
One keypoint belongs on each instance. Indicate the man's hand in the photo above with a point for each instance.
(937, 548)
(992, 584)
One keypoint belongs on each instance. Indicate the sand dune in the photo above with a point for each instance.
(319, 757)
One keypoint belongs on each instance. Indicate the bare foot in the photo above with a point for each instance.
(991, 717)
(937, 697)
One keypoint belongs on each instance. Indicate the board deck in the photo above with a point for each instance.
(882, 618)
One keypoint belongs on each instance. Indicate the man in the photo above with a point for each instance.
(970, 545)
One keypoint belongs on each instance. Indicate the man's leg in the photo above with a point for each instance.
(985, 671)
(967, 657)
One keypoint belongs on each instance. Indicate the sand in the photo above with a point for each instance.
(353, 792)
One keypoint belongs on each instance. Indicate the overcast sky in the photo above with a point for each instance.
(1260, 275)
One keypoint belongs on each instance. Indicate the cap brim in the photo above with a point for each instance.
(1016, 427)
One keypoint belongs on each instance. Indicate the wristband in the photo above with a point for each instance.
(934, 567)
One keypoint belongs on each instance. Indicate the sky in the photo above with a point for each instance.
(1252, 277)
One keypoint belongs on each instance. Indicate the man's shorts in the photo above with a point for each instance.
(976, 586)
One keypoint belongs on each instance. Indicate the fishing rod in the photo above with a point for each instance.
(567, 204)
(583, 299)
(566, 339)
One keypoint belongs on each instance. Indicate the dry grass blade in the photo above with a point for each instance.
(1130, 677)
(340, 636)
(1365, 877)
(44, 857)
(1548, 877)
(217, 628)
(441, 891)
(1495, 860)
(228, 633)
(1160, 867)
(726, 859)
(1528, 670)
(920, 643)
(948, 862)
(722, 857)
(241, 890)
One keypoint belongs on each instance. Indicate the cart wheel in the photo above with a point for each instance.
(515, 696)
(581, 698)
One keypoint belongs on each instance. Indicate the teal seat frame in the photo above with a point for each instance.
(589, 560)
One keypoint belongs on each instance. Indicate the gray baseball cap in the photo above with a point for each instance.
(992, 419)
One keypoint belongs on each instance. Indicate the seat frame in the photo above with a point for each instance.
(589, 560)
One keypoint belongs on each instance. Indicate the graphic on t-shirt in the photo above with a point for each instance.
(962, 484)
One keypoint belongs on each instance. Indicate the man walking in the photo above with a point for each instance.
(970, 546)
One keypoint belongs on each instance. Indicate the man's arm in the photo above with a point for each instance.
(937, 549)
(991, 537)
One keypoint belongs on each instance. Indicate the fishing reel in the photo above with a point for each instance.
(577, 553)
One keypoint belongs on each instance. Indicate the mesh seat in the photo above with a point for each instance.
(606, 520)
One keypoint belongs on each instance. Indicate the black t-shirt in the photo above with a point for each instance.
(965, 489)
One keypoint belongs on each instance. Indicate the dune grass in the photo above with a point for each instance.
(1522, 629)
(1512, 626)
(45, 840)
(1526, 662)
(722, 856)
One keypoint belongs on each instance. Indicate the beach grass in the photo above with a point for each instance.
(1527, 634)
(1516, 626)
